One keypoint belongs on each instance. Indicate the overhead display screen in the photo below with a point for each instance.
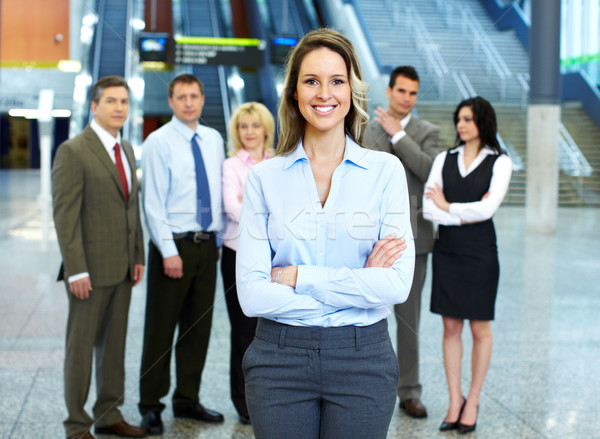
(247, 52)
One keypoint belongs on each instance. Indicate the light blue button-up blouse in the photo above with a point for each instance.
(283, 223)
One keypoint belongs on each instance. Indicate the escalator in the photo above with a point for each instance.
(290, 18)
(106, 49)
(272, 20)
(110, 39)
(203, 18)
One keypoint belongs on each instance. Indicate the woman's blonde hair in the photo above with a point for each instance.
(291, 121)
(264, 116)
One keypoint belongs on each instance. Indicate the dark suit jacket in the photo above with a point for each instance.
(98, 231)
(416, 150)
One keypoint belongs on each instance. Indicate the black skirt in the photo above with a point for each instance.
(465, 272)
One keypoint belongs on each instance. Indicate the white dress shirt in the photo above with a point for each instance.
(475, 211)
(108, 141)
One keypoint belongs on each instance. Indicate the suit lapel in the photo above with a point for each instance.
(415, 127)
(383, 139)
(100, 152)
(412, 126)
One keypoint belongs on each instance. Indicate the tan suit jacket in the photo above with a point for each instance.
(416, 150)
(98, 231)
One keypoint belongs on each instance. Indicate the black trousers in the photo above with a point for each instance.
(242, 331)
(186, 303)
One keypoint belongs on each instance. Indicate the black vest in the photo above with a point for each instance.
(473, 186)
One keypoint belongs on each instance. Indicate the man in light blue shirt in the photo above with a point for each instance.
(181, 194)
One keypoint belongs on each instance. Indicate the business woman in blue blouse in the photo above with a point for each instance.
(321, 259)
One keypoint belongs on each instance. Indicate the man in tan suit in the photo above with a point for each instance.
(95, 194)
(415, 142)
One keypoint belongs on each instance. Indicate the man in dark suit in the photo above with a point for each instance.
(95, 194)
(415, 142)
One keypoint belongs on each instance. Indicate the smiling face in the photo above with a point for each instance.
(251, 132)
(323, 90)
(110, 112)
(402, 97)
(187, 102)
(466, 126)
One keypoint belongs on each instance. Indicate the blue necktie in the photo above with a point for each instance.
(203, 214)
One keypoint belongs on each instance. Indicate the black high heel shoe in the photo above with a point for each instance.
(447, 426)
(463, 428)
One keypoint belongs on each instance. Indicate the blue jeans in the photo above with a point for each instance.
(310, 382)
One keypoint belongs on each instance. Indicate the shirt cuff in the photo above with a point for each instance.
(167, 248)
(78, 276)
(454, 212)
(454, 209)
(399, 135)
(310, 281)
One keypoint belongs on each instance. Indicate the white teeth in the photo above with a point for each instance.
(324, 109)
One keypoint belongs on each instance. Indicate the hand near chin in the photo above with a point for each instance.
(389, 123)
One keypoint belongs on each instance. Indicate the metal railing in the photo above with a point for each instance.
(467, 91)
(462, 16)
(423, 41)
(523, 80)
(572, 161)
(494, 62)
(510, 149)
(463, 84)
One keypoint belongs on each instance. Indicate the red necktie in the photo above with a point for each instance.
(121, 171)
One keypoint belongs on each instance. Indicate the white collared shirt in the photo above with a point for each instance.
(108, 141)
(474, 211)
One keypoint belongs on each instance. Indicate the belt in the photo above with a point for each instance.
(195, 237)
(315, 337)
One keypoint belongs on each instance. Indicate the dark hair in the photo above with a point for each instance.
(291, 121)
(106, 82)
(484, 117)
(186, 78)
(406, 71)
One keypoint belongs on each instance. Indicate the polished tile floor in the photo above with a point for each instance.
(543, 381)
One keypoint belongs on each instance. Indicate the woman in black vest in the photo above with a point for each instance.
(464, 189)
